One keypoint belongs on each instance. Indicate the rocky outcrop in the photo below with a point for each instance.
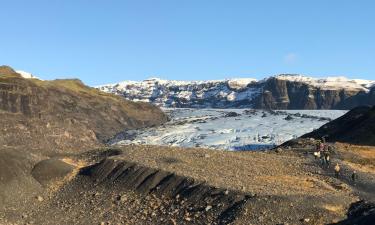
(284, 94)
(361, 212)
(64, 114)
(361, 98)
(279, 92)
(219, 204)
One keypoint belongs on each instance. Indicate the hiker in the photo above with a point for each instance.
(322, 151)
(326, 155)
(327, 159)
(337, 170)
(354, 176)
(318, 153)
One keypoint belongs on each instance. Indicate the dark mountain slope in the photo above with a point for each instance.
(64, 114)
(355, 127)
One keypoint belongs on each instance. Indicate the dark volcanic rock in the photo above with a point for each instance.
(361, 98)
(289, 117)
(221, 205)
(232, 114)
(356, 127)
(361, 213)
(284, 94)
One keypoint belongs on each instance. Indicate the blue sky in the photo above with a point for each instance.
(108, 41)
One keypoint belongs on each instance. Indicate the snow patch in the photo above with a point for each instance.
(329, 83)
(26, 75)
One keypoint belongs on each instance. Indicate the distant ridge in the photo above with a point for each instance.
(284, 91)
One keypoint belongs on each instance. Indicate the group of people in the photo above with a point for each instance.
(323, 154)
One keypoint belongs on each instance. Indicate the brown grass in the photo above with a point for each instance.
(337, 209)
(361, 158)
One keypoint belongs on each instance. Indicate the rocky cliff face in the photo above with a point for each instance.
(285, 94)
(279, 92)
(360, 98)
(64, 114)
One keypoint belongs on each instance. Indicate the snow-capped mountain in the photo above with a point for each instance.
(213, 93)
(285, 91)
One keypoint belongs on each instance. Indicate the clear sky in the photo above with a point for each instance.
(108, 41)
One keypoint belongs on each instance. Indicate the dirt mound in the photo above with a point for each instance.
(64, 114)
(16, 184)
(355, 127)
(222, 204)
(50, 169)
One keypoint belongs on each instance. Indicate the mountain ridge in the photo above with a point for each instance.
(284, 91)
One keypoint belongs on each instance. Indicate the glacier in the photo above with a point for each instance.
(229, 129)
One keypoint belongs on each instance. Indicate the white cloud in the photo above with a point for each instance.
(290, 58)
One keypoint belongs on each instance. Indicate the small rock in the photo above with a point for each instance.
(206, 155)
(278, 150)
(40, 198)
(306, 220)
(173, 221)
(122, 198)
(208, 208)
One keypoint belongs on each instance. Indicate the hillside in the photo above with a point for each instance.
(355, 127)
(64, 114)
(163, 185)
(40, 119)
(278, 92)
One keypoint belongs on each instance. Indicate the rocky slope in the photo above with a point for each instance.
(161, 185)
(40, 119)
(278, 92)
(356, 127)
(64, 114)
